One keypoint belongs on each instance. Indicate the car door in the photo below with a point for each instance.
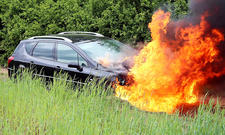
(69, 61)
(43, 59)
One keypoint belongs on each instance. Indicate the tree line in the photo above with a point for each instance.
(124, 20)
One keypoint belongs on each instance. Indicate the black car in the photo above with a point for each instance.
(81, 55)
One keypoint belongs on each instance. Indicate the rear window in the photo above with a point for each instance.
(44, 50)
(29, 46)
(17, 48)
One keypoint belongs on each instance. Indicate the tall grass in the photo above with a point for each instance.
(27, 107)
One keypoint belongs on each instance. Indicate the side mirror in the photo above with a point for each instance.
(75, 65)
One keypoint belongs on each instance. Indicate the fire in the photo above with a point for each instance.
(168, 71)
(108, 61)
(105, 60)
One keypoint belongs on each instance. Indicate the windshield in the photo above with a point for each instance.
(106, 52)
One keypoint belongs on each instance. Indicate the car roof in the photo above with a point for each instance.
(73, 37)
(78, 38)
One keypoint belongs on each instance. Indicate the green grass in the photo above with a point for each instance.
(26, 107)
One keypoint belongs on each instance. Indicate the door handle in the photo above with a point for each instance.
(58, 67)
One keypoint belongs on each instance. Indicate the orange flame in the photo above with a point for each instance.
(167, 73)
(105, 60)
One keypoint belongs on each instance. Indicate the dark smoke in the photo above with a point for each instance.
(216, 19)
(215, 10)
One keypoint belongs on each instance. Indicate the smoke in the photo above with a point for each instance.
(216, 20)
(215, 9)
(214, 13)
(216, 16)
(184, 60)
(121, 59)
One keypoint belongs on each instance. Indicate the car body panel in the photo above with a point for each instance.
(48, 68)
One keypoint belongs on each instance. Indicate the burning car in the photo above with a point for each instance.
(82, 55)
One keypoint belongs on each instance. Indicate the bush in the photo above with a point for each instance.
(124, 20)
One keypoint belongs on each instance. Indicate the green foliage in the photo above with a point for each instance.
(26, 107)
(179, 8)
(124, 20)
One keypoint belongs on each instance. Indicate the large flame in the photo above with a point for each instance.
(167, 72)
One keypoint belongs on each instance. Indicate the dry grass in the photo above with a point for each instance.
(3, 73)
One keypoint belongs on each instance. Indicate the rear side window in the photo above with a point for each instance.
(29, 46)
(44, 50)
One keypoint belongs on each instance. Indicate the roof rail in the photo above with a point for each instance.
(82, 32)
(51, 37)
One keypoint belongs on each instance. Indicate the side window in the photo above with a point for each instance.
(44, 50)
(29, 46)
(82, 62)
(66, 54)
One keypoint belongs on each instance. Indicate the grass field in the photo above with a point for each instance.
(26, 107)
